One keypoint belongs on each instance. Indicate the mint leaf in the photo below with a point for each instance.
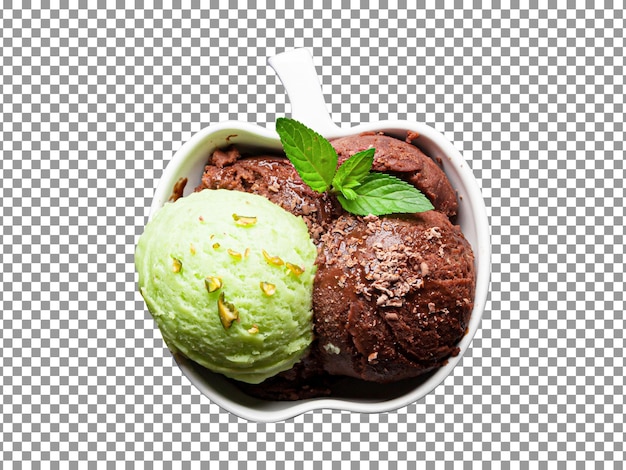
(353, 171)
(313, 157)
(349, 194)
(381, 194)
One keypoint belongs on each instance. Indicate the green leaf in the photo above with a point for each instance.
(381, 194)
(353, 171)
(349, 193)
(311, 154)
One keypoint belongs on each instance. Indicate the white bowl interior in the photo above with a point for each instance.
(352, 395)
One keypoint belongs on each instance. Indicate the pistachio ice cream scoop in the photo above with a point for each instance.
(228, 277)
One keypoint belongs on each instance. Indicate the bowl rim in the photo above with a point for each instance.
(482, 252)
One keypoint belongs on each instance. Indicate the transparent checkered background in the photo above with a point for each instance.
(94, 103)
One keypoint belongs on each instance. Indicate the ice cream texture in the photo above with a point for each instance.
(392, 295)
(228, 277)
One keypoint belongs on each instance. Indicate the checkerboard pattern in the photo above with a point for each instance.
(97, 96)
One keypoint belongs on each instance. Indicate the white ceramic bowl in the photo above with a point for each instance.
(297, 72)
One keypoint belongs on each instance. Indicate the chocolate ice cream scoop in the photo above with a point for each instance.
(392, 296)
(405, 161)
(273, 177)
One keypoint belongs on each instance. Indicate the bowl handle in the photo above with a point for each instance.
(296, 70)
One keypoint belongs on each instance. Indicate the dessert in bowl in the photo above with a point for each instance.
(351, 378)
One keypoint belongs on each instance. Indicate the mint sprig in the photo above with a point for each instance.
(359, 190)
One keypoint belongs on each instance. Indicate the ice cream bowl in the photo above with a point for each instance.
(296, 71)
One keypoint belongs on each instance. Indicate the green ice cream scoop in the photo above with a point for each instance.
(228, 278)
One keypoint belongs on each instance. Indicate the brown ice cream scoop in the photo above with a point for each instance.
(273, 177)
(405, 161)
(392, 296)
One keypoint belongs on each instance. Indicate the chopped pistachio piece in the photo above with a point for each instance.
(244, 221)
(268, 288)
(227, 311)
(274, 260)
(177, 265)
(294, 268)
(253, 330)
(212, 283)
(234, 254)
(246, 253)
(216, 245)
(192, 249)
